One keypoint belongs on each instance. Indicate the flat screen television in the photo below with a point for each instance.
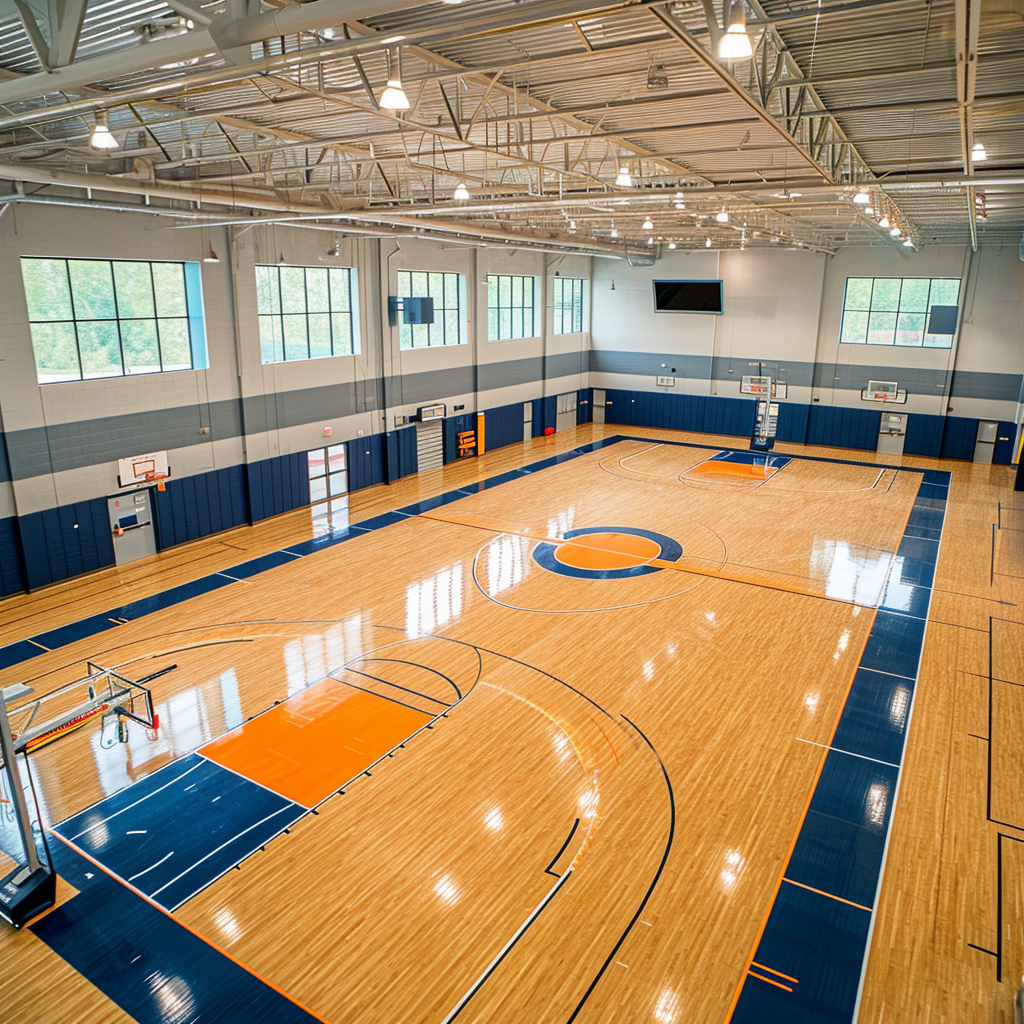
(688, 296)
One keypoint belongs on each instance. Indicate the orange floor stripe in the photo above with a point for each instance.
(314, 742)
(777, 984)
(821, 892)
(771, 970)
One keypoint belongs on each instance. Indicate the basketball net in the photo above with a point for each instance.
(158, 479)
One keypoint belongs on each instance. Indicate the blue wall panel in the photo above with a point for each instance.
(63, 542)
(365, 462)
(584, 406)
(550, 406)
(838, 427)
(959, 437)
(924, 434)
(537, 422)
(195, 506)
(792, 423)
(731, 416)
(12, 571)
(1003, 453)
(503, 426)
(401, 452)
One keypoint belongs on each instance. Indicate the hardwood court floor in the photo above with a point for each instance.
(393, 899)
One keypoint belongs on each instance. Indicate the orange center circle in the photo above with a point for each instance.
(607, 551)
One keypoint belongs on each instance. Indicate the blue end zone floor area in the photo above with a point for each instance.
(176, 831)
(752, 459)
(810, 960)
(146, 962)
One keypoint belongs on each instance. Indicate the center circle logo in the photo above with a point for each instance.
(606, 553)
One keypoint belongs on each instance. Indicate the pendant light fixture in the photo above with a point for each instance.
(978, 153)
(623, 179)
(707, 242)
(862, 198)
(884, 222)
(648, 224)
(722, 216)
(735, 43)
(393, 97)
(461, 192)
(101, 138)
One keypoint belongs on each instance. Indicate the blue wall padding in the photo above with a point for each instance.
(54, 549)
(277, 485)
(838, 427)
(503, 426)
(584, 406)
(194, 506)
(365, 461)
(12, 569)
(958, 438)
(792, 422)
(924, 434)
(402, 457)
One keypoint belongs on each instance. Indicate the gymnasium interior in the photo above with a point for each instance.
(559, 556)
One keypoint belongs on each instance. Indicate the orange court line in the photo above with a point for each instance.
(177, 920)
(821, 892)
(310, 745)
(777, 984)
(483, 523)
(771, 970)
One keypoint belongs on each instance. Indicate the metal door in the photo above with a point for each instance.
(565, 416)
(527, 420)
(131, 522)
(984, 446)
(598, 405)
(892, 433)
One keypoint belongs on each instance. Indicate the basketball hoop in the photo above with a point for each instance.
(157, 478)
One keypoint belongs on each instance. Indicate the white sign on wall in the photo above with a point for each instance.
(666, 382)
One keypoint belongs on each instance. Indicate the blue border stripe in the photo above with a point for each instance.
(819, 937)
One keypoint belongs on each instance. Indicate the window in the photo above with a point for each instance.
(113, 318)
(328, 489)
(568, 305)
(509, 307)
(304, 312)
(896, 310)
(445, 290)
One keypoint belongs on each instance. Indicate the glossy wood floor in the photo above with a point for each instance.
(579, 693)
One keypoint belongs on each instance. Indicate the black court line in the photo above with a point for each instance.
(387, 682)
(568, 840)
(416, 664)
(382, 696)
(981, 949)
(650, 888)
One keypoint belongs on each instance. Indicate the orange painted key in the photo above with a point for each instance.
(314, 742)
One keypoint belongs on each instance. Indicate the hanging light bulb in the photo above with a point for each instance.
(393, 97)
(735, 43)
(623, 179)
(978, 152)
(461, 192)
(707, 242)
(615, 231)
(101, 137)
(884, 222)
(722, 216)
(648, 224)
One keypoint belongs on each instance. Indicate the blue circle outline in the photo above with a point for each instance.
(544, 554)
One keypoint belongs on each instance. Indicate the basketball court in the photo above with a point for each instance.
(614, 735)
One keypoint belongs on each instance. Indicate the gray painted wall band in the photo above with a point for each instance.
(997, 387)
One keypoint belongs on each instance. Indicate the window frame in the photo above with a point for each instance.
(870, 312)
(409, 333)
(527, 311)
(278, 337)
(192, 320)
(559, 308)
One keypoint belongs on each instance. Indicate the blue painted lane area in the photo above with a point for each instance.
(816, 943)
(147, 963)
(874, 721)
(810, 954)
(138, 835)
(840, 846)
(257, 565)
